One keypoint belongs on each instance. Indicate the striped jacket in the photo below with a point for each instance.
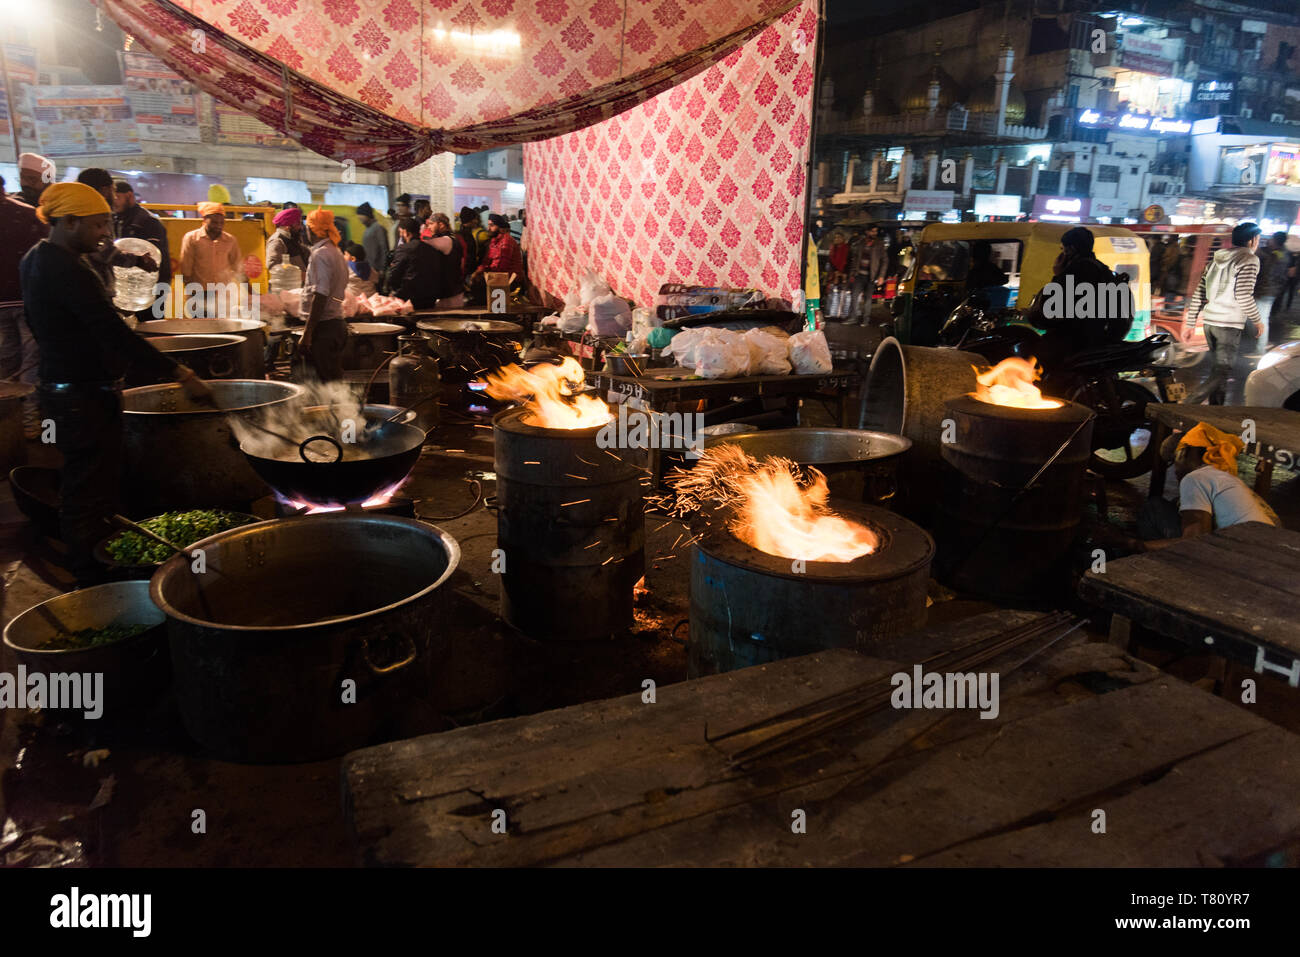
(1226, 292)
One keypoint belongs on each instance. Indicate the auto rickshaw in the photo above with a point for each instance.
(936, 282)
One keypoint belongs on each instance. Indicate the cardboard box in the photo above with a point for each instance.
(498, 290)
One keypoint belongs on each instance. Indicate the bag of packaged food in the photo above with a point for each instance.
(722, 354)
(608, 315)
(809, 353)
(768, 354)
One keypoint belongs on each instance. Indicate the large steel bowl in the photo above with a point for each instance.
(182, 455)
(134, 670)
(859, 465)
(253, 331)
(310, 634)
(383, 460)
(211, 357)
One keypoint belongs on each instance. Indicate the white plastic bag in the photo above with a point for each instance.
(573, 322)
(809, 353)
(682, 346)
(609, 315)
(722, 354)
(768, 354)
(349, 304)
(591, 287)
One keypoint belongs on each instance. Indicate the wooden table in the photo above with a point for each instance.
(1234, 592)
(626, 783)
(1276, 434)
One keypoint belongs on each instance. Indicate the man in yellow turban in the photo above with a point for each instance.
(1210, 494)
(323, 292)
(210, 256)
(86, 349)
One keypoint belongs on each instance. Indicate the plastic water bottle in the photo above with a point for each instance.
(135, 286)
(284, 277)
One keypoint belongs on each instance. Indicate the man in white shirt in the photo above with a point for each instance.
(1225, 300)
(323, 291)
(1210, 494)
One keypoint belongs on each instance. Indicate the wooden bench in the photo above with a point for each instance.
(1083, 728)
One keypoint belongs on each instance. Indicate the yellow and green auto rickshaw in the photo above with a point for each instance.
(1026, 252)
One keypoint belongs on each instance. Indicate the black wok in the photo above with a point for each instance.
(384, 459)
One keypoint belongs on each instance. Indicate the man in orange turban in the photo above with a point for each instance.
(323, 291)
(210, 257)
(86, 349)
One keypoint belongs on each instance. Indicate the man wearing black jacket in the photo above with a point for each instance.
(413, 273)
(1074, 323)
(134, 221)
(85, 350)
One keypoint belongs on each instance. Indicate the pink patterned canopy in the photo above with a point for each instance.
(388, 83)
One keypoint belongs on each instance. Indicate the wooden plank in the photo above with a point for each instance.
(626, 783)
(1276, 427)
(1192, 816)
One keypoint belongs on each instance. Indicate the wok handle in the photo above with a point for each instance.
(386, 669)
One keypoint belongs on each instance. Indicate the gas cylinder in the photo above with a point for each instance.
(413, 378)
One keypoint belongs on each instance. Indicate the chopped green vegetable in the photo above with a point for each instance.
(93, 637)
(182, 529)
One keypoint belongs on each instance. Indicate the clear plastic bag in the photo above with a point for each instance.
(722, 354)
(809, 353)
(768, 354)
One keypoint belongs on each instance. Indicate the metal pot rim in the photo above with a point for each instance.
(295, 391)
(157, 326)
(514, 418)
(890, 438)
(131, 585)
(449, 544)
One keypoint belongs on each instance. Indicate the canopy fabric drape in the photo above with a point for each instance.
(388, 83)
(704, 184)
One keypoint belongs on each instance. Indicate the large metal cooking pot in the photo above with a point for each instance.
(368, 343)
(859, 465)
(252, 356)
(180, 454)
(466, 348)
(134, 670)
(383, 460)
(320, 628)
(211, 357)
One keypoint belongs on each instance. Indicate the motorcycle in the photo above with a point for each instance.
(1122, 431)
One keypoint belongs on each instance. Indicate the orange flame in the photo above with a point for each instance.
(778, 517)
(1011, 382)
(552, 394)
(776, 512)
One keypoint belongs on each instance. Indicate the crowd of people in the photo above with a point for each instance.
(61, 332)
(862, 261)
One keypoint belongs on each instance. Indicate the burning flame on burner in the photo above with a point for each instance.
(777, 510)
(552, 394)
(380, 498)
(1011, 382)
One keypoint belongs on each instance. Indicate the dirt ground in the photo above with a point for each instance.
(126, 793)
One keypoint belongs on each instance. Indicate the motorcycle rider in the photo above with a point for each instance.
(1106, 323)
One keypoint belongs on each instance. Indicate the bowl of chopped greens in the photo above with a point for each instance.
(131, 555)
(107, 644)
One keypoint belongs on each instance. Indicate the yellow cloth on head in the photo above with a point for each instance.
(1221, 448)
(218, 193)
(70, 199)
(321, 223)
(208, 209)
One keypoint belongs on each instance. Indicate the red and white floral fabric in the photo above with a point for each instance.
(703, 184)
(387, 83)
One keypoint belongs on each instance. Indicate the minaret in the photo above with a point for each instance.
(933, 92)
(1006, 58)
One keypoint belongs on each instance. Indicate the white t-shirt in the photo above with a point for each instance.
(1225, 496)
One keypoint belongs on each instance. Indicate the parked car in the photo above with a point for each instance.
(1276, 380)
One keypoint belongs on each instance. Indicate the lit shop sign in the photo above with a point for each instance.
(1060, 209)
(1132, 122)
(1214, 91)
(997, 204)
(929, 200)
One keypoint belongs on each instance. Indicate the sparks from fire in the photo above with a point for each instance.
(779, 508)
(551, 393)
(1011, 382)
